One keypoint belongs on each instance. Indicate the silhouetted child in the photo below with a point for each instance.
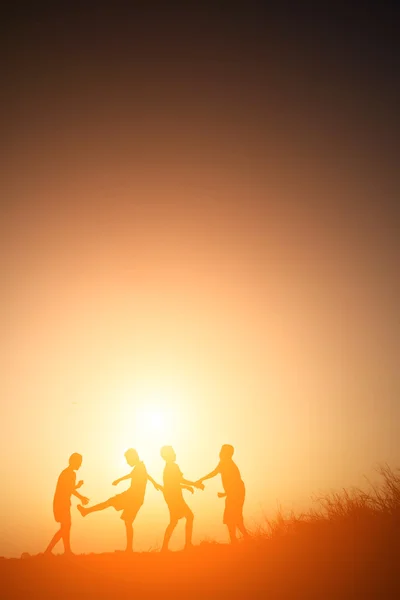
(132, 499)
(174, 483)
(66, 486)
(234, 491)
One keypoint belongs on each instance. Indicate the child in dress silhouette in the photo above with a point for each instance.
(174, 483)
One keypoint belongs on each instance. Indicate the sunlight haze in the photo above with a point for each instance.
(207, 260)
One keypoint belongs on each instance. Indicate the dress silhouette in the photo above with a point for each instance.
(174, 483)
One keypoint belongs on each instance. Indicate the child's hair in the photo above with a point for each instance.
(75, 458)
(228, 450)
(131, 453)
(166, 452)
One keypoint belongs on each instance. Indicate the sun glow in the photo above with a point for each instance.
(153, 420)
(148, 419)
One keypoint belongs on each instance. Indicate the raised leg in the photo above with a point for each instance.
(86, 511)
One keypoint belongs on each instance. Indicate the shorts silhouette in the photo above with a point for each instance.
(62, 514)
(233, 512)
(128, 503)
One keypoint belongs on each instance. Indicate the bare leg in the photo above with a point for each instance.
(168, 532)
(243, 529)
(86, 511)
(129, 536)
(56, 538)
(232, 533)
(66, 536)
(189, 530)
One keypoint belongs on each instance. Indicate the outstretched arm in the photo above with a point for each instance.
(158, 487)
(74, 491)
(209, 476)
(187, 487)
(83, 499)
(125, 478)
(186, 484)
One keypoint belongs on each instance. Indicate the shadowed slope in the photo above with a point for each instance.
(348, 549)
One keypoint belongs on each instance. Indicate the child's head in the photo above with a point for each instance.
(168, 454)
(132, 457)
(226, 452)
(75, 461)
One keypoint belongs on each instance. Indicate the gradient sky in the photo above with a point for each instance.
(199, 215)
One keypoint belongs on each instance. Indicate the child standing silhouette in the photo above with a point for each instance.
(174, 483)
(234, 491)
(66, 486)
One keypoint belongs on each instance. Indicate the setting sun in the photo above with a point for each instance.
(153, 419)
(148, 417)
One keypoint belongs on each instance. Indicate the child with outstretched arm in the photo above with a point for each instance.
(234, 491)
(129, 501)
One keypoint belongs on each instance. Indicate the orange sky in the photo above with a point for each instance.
(204, 254)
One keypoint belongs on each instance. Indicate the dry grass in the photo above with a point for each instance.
(379, 504)
(347, 547)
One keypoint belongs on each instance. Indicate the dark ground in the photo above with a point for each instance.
(327, 565)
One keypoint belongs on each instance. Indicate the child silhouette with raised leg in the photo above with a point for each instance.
(129, 501)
